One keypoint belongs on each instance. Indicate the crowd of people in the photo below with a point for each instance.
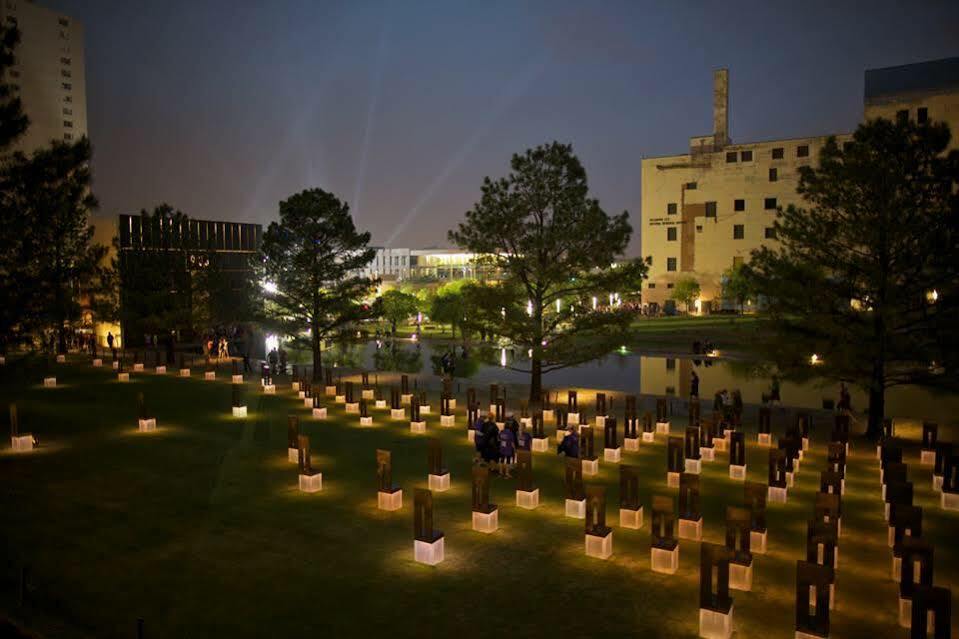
(497, 448)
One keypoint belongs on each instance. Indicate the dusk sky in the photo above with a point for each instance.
(224, 108)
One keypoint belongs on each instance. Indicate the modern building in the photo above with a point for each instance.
(48, 74)
(430, 264)
(707, 209)
(233, 243)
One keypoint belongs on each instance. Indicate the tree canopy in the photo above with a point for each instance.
(309, 265)
(398, 306)
(865, 273)
(556, 248)
(686, 291)
(13, 121)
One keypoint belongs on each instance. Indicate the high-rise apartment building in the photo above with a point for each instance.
(706, 210)
(48, 74)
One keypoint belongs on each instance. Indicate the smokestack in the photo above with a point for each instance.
(720, 108)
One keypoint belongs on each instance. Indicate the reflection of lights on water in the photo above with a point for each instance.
(558, 306)
(713, 353)
(419, 317)
(622, 350)
(502, 311)
(594, 302)
(413, 337)
(502, 357)
(272, 341)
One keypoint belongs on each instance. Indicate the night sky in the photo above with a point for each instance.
(400, 108)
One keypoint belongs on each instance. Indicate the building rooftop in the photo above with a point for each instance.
(934, 75)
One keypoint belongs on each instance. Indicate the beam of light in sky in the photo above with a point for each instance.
(512, 91)
(293, 134)
(375, 81)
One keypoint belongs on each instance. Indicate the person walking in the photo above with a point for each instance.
(694, 385)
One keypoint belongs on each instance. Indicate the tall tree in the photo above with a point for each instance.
(310, 264)
(866, 275)
(556, 248)
(13, 121)
(54, 255)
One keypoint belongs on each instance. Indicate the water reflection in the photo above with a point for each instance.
(634, 373)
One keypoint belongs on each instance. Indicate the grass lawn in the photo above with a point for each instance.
(200, 530)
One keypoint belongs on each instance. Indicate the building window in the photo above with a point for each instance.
(670, 285)
(802, 151)
(670, 263)
(773, 174)
(737, 261)
(739, 205)
(68, 112)
(671, 208)
(746, 156)
(66, 85)
(769, 233)
(671, 234)
(68, 136)
(14, 74)
(730, 157)
(711, 209)
(902, 115)
(65, 73)
(778, 153)
(63, 22)
(769, 204)
(691, 186)
(739, 231)
(922, 115)
(699, 228)
(651, 285)
(68, 98)
(68, 124)
(65, 61)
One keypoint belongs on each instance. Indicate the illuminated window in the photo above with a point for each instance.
(66, 85)
(68, 124)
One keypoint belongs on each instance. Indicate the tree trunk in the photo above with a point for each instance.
(536, 379)
(316, 343)
(877, 401)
